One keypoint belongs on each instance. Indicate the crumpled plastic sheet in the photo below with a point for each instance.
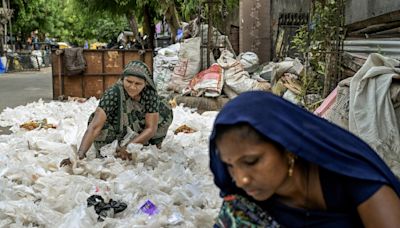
(36, 192)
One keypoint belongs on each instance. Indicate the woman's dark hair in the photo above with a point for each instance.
(246, 132)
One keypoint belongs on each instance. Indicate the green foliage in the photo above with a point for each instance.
(79, 20)
(316, 42)
(35, 14)
(190, 8)
(82, 25)
(300, 39)
(65, 20)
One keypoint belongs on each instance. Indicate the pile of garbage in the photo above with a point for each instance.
(181, 69)
(177, 69)
(368, 105)
(171, 186)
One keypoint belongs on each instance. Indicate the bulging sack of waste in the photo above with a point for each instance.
(249, 60)
(208, 82)
(236, 78)
(188, 65)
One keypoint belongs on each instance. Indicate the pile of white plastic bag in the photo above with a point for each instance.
(36, 192)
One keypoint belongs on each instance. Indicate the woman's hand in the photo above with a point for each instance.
(81, 155)
(65, 162)
(123, 154)
(150, 129)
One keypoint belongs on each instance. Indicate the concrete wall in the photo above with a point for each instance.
(259, 23)
(358, 10)
(254, 31)
(261, 38)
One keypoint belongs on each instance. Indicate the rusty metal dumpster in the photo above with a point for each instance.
(103, 70)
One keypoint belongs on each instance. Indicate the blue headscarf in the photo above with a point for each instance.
(308, 136)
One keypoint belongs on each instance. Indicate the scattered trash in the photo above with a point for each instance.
(105, 209)
(175, 218)
(77, 99)
(149, 208)
(173, 103)
(161, 175)
(33, 124)
(185, 129)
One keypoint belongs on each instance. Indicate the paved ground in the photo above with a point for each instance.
(21, 88)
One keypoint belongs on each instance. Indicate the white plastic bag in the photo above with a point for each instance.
(236, 78)
(188, 65)
(249, 60)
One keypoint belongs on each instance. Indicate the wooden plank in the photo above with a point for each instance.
(54, 66)
(93, 62)
(130, 56)
(54, 70)
(348, 72)
(395, 32)
(113, 62)
(148, 59)
(353, 62)
(60, 79)
(376, 28)
(385, 18)
(72, 86)
(56, 86)
(202, 103)
(93, 86)
(104, 68)
(110, 80)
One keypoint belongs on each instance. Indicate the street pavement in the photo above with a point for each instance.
(21, 88)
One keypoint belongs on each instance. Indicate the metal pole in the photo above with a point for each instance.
(209, 40)
(11, 37)
(60, 77)
(5, 23)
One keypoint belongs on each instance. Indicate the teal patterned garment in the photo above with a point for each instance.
(239, 212)
(123, 112)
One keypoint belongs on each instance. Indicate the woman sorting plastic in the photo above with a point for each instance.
(278, 165)
(130, 111)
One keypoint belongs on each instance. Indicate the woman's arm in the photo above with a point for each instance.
(382, 209)
(150, 129)
(92, 131)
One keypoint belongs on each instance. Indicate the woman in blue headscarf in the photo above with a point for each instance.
(278, 165)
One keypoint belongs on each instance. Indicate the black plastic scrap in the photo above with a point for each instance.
(105, 209)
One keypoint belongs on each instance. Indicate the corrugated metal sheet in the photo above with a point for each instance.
(388, 47)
